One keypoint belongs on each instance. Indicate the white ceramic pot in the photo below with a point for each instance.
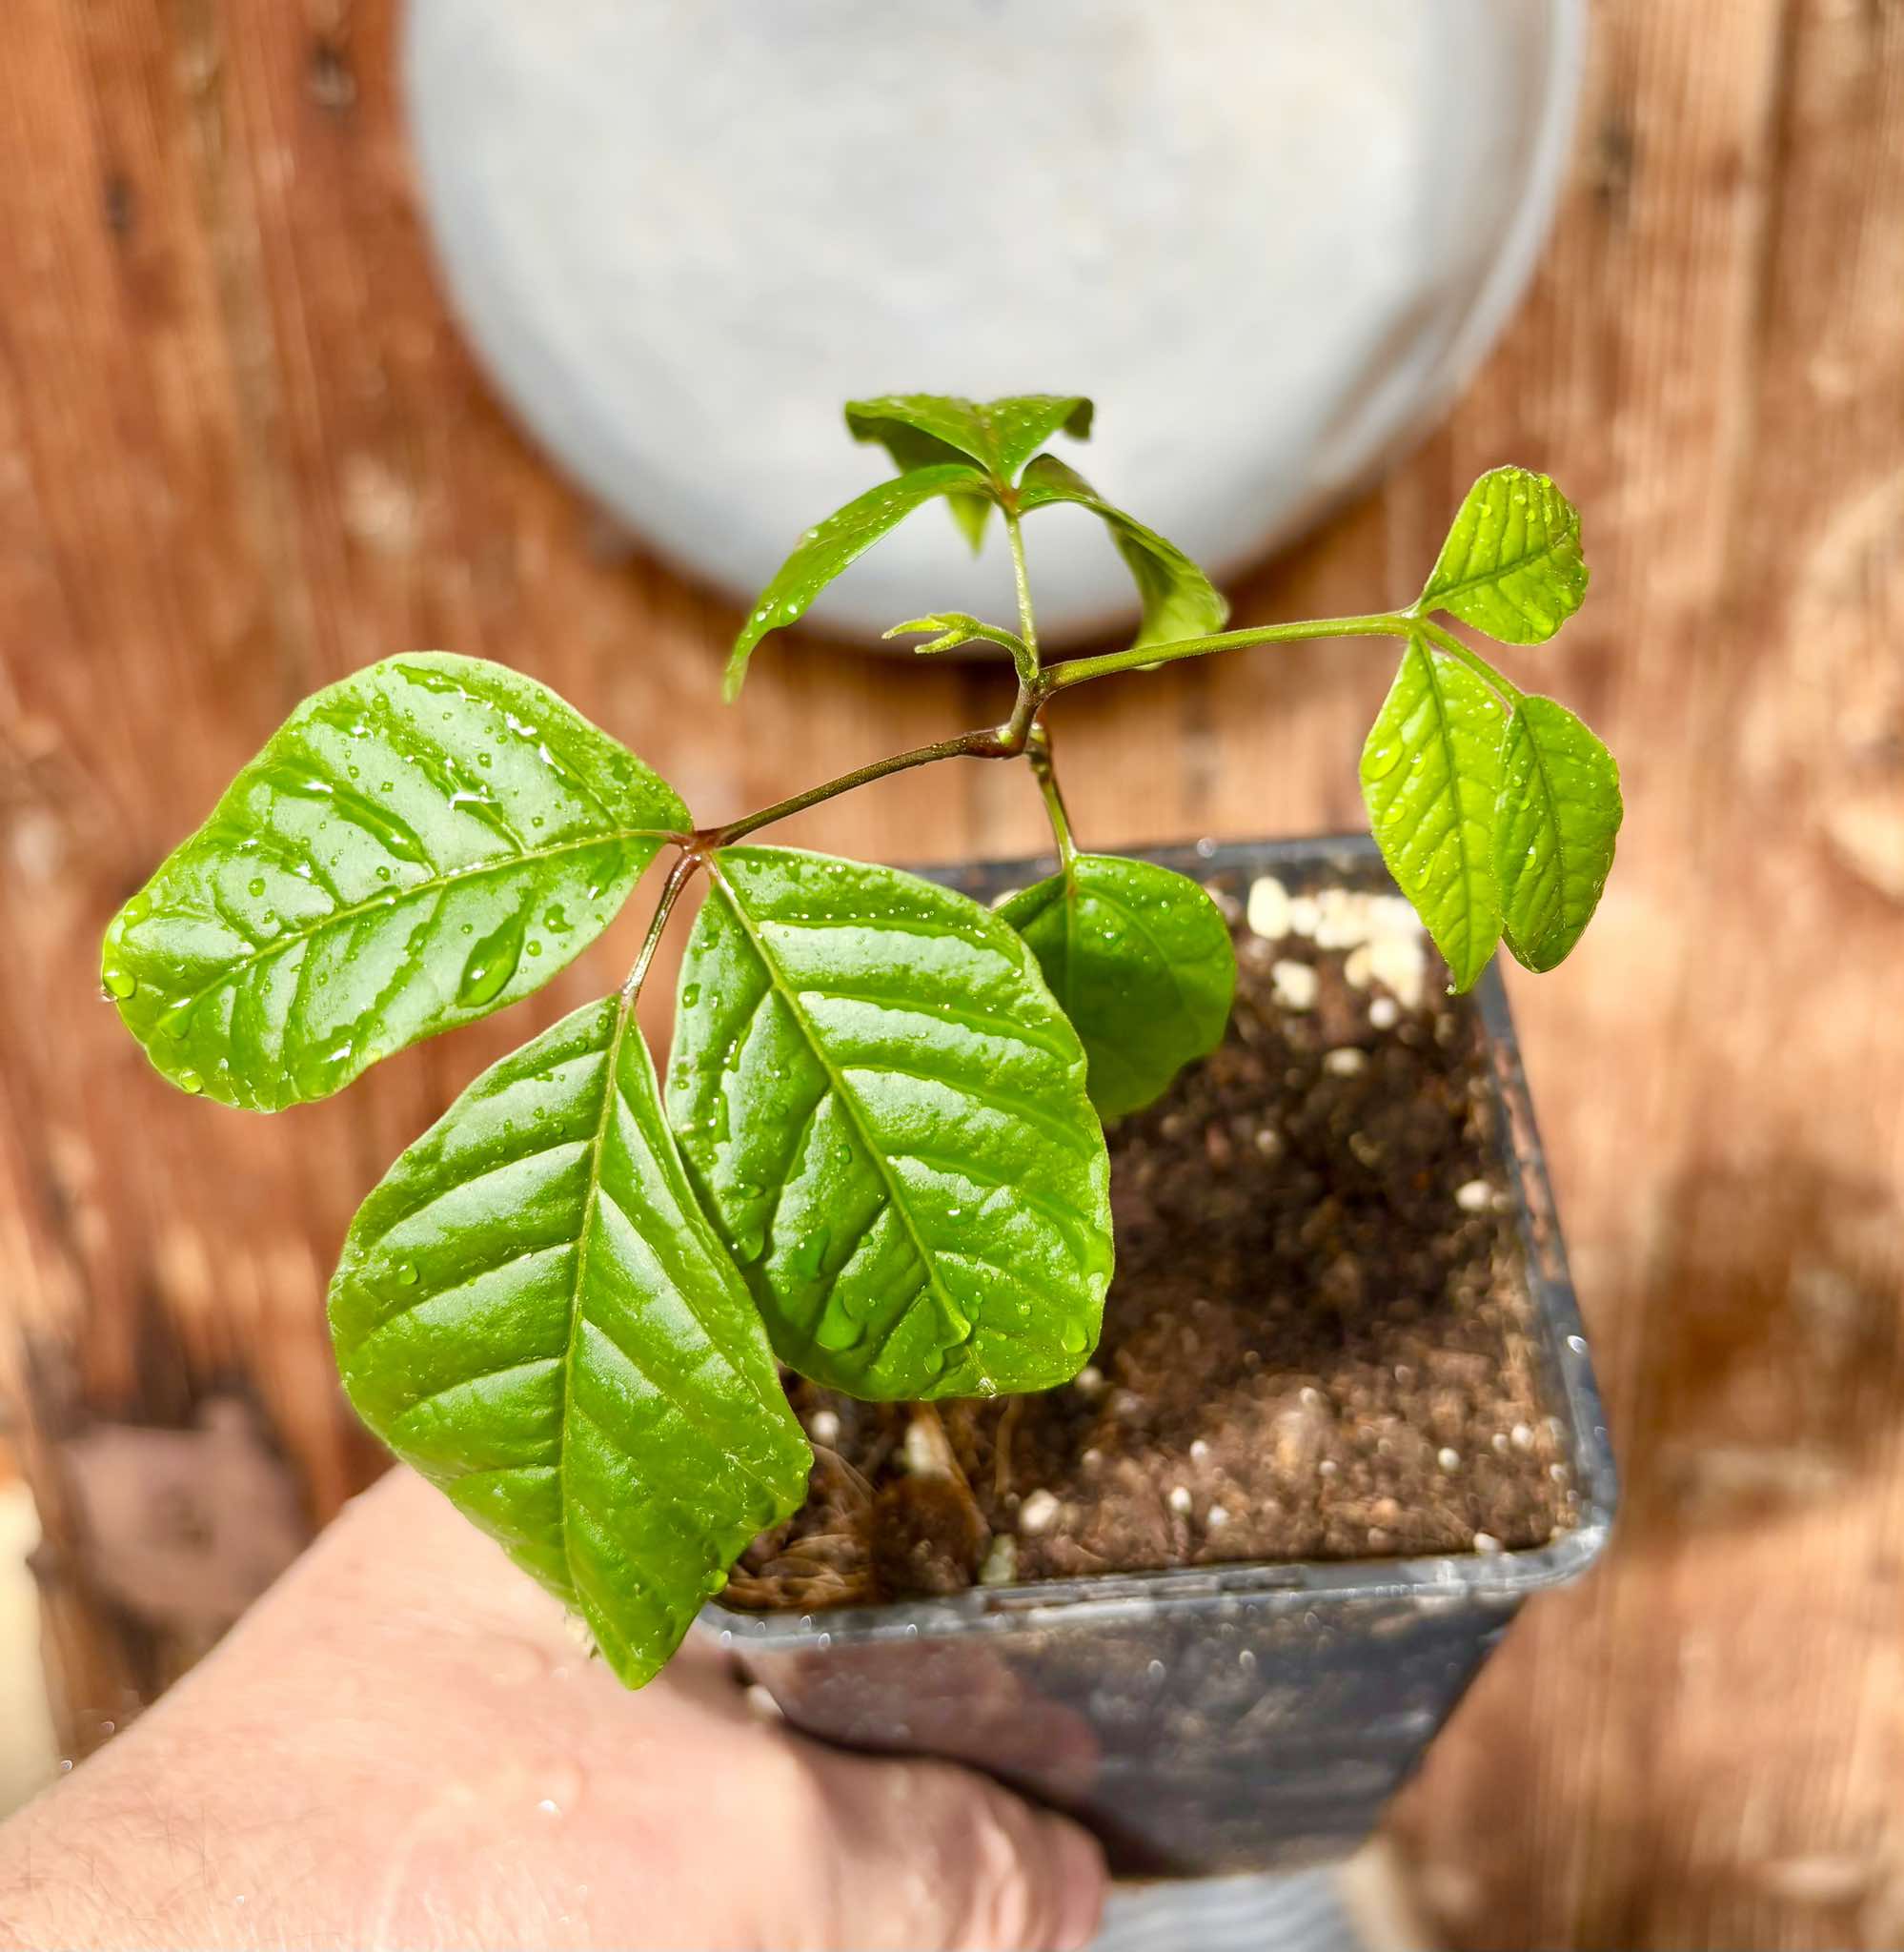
(1271, 238)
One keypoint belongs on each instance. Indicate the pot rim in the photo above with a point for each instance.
(1490, 1579)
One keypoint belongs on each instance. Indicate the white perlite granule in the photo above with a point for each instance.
(1000, 1567)
(1037, 1512)
(1269, 911)
(1294, 984)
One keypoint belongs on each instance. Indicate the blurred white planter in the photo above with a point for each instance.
(1271, 238)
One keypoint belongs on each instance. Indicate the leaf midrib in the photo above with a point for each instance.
(1435, 594)
(400, 896)
(848, 1103)
(1419, 649)
(611, 1093)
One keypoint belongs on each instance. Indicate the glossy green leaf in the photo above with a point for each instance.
(827, 548)
(885, 1114)
(919, 429)
(1431, 776)
(1179, 600)
(1553, 840)
(1001, 436)
(1140, 960)
(1512, 564)
(414, 847)
(533, 1311)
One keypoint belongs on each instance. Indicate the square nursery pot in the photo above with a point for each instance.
(1216, 1719)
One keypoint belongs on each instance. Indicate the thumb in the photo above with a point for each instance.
(936, 1859)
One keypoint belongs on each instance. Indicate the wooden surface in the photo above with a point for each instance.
(243, 451)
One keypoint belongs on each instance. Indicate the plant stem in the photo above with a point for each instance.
(1037, 685)
(997, 741)
(1038, 751)
(686, 865)
(1081, 670)
(1027, 625)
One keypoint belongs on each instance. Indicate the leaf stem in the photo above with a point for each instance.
(1081, 670)
(1037, 751)
(1027, 624)
(1036, 686)
(686, 865)
(995, 742)
(1447, 640)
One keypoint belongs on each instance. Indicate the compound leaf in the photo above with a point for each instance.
(1559, 814)
(1512, 564)
(533, 1311)
(1140, 960)
(1431, 776)
(1179, 600)
(414, 847)
(885, 1114)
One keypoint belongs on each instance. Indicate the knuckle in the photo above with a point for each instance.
(998, 1899)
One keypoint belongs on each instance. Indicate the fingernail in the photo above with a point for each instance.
(1078, 1874)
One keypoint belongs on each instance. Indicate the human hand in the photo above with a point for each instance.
(403, 1744)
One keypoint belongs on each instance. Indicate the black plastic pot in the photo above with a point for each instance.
(1216, 1719)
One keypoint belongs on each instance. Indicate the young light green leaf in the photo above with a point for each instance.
(533, 1311)
(1001, 436)
(949, 629)
(1553, 839)
(885, 1112)
(1511, 564)
(1179, 600)
(919, 429)
(414, 847)
(827, 548)
(1140, 960)
(1431, 776)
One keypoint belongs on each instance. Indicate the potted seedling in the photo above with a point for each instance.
(819, 1326)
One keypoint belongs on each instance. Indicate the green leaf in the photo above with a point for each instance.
(1553, 840)
(885, 1112)
(1431, 776)
(414, 847)
(1001, 436)
(1142, 962)
(1179, 600)
(1512, 564)
(533, 1312)
(825, 549)
(919, 429)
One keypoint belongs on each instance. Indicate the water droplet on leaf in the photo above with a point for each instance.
(491, 964)
(839, 1331)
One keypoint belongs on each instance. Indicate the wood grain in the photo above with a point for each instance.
(243, 451)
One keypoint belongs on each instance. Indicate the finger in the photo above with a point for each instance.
(927, 1855)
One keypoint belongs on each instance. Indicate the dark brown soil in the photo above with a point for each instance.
(1315, 1345)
